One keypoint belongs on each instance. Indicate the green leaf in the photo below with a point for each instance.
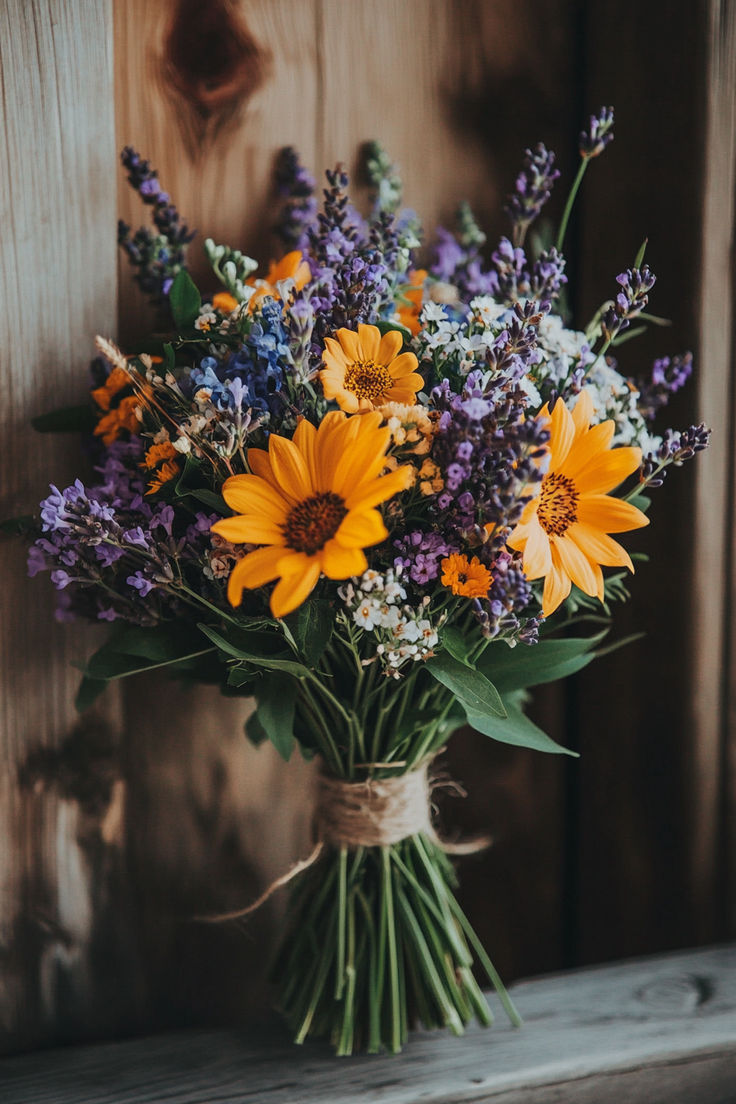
(516, 728)
(311, 627)
(239, 644)
(276, 706)
(68, 419)
(185, 300)
(88, 692)
(457, 644)
(169, 358)
(471, 688)
(384, 326)
(254, 730)
(240, 675)
(640, 255)
(210, 498)
(131, 649)
(534, 664)
(641, 501)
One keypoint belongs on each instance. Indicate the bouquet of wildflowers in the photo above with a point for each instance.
(374, 498)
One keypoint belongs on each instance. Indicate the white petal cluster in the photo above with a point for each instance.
(377, 604)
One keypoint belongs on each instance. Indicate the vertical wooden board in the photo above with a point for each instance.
(634, 886)
(61, 798)
(213, 820)
(713, 852)
(221, 179)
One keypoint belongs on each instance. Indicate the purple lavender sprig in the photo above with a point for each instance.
(635, 285)
(667, 376)
(590, 144)
(296, 187)
(532, 189)
(677, 447)
(593, 141)
(158, 257)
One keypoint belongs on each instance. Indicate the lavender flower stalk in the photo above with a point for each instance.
(591, 144)
(532, 189)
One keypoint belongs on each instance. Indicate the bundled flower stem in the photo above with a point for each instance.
(373, 497)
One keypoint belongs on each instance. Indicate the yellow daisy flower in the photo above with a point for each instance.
(364, 370)
(311, 503)
(563, 532)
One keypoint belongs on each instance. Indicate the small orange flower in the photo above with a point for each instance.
(224, 302)
(291, 267)
(468, 578)
(167, 471)
(364, 370)
(165, 455)
(412, 296)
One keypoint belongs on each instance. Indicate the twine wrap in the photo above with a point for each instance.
(374, 813)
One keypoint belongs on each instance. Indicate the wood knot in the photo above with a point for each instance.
(679, 995)
(213, 64)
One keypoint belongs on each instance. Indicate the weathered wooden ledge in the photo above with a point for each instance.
(652, 1030)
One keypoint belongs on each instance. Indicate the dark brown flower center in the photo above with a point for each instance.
(558, 502)
(368, 380)
(313, 522)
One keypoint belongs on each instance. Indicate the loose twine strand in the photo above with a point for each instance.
(375, 813)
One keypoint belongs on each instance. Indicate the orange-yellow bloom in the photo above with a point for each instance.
(563, 532)
(364, 370)
(468, 578)
(292, 266)
(224, 302)
(311, 503)
(163, 459)
(412, 295)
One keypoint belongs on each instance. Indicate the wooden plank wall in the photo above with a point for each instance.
(66, 968)
(618, 853)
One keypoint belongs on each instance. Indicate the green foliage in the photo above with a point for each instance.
(131, 649)
(184, 300)
(311, 627)
(239, 643)
(472, 689)
(231, 267)
(276, 707)
(516, 728)
(517, 668)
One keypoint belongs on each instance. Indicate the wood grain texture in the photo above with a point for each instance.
(714, 755)
(62, 930)
(635, 801)
(656, 1031)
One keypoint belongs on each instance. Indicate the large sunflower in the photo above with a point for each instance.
(364, 370)
(563, 532)
(311, 503)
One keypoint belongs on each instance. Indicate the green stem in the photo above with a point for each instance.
(570, 202)
(393, 965)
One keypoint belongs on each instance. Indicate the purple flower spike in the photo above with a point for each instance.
(668, 375)
(635, 284)
(592, 142)
(531, 190)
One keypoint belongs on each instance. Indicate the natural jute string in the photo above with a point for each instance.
(374, 813)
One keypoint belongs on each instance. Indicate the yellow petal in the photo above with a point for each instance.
(609, 514)
(599, 546)
(582, 415)
(369, 340)
(576, 564)
(289, 469)
(249, 529)
(608, 470)
(556, 589)
(342, 563)
(537, 554)
(380, 490)
(360, 529)
(595, 440)
(403, 365)
(296, 584)
(305, 439)
(362, 462)
(389, 347)
(251, 494)
(346, 400)
(562, 429)
(253, 570)
(351, 347)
